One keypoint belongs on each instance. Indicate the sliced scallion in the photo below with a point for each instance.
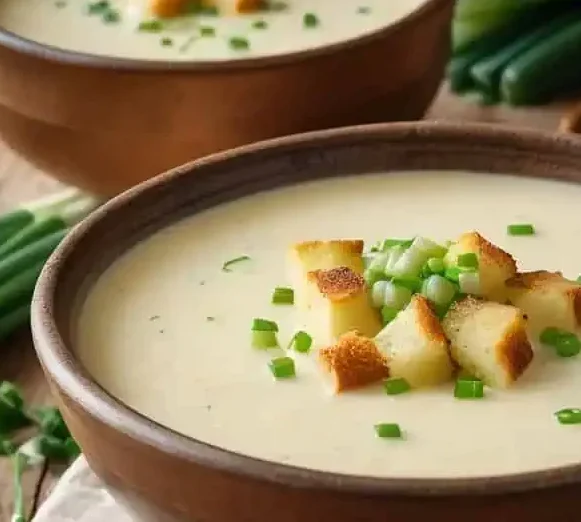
(378, 293)
(453, 273)
(520, 229)
(438, 290)
(569, 416)
(388, 431)
(393, 255)
(565, 343)
(469, 389)
(264, 339)
(435, 265)
(310, 20)
(396, 296)
(301, 342)
(396, 386)
(468, 260)
(150, 26)
(226, 267)
(239, 43)
(282, 367)
(386, 244)
(469, 283)
(282, 295)
(388, 314)
(264, 325)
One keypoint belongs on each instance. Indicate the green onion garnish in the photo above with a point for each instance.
(259, 24)
(264, 325)
(386, 244)
(569, 416)
(520, 229)
(438, 290)
(282, 367)
(166, 42)
(435, 265)
(453, 274)
(238, 43)
(226, 266)
(396, 386)
(310, 20)
(410, 282)
(363, 10)
(283, 295)
(469, 260)
(98, 7)
(301, 342)
(469, 389)
(388, 314)
(206, 30)
(388, 431)
(565, 343)
(111, 16)
(150, 26)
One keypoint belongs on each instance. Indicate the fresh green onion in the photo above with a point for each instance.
(396, 386)
(438, 290)
(414, 284)
(12, 415)
(520, 229)
(388, 314)
(301, 342)
(19, 463)
(469, 283)
(386, 244)
(150, 26)
(238, 43)
(51, 422)
(388, 431)
(226, 267)
(413, 259)
(264, 334)
(396, 296)
(434, 265)
(207, 31)
(453, 274)
(378, 293)
(310, 20)
(377, 264)
(468, 260)
(469, 389)
(282, 367)
(393, 255)
(569, 416)
(283, 295)
(371, 277)
(259, 24)
(565, 343)
(264, 325)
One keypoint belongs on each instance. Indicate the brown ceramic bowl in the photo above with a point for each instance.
(107, 124)
(167, 476)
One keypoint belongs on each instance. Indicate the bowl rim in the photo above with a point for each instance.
(51, 53)
(66, 372)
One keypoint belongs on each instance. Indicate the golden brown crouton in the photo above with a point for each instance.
(353, 362)
(249, 6)
(337, 302)
(416, 345)
(547, 299)
(323, 255)
(488, 340)
(495, 265)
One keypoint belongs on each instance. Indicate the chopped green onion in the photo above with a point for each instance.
(410, 282)
(438, 290)
(377, 264)
(396, 296)
(206, 30)
(226, 266)
(310, 20)
(259, 24)
(388, 314)
(264, 325)
(393, 255)
(565, 343)
(301, 342)
(283, 295)
(469, 260)
(150, 26)
(388, 431)
(569, 416)
(238, 43)
(264, 339)
(435, 265)
(166, 41)
(282, 367)
(453, 274)
(363, 10)
(411, 262)
(469, 283)
(396, 386)
(386, 244)
(111, 16)
(371, 277)
(520, 229)
(469, 389)
(378, 293)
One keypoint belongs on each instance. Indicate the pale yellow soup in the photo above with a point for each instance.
(66, 24)
(167, 332)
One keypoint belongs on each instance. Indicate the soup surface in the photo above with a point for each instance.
(167, 331)
(81, 25)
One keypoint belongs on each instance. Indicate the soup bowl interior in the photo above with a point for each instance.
(161, 473)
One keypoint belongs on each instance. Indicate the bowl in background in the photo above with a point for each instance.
(106, 124)
(162, 475)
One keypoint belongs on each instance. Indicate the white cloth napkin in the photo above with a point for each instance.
(80, 497)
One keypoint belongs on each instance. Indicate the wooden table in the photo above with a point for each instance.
(20, 182)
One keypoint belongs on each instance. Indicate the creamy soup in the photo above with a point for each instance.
(304, 24)
(167, 331)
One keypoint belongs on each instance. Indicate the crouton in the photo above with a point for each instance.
(416, 346)
(547, 299)
(488, 340)
(337, 302)
(249, 6)
(495, 265)
(353, 362)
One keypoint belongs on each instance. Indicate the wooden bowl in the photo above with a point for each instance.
(106, 124)
(166, 476)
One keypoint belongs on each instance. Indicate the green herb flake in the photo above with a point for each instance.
(60, 4)
(226, 267)
(210, 319)
(111, 16)
(396, 386)
(260, 24)
(99, 7)
(207, 31)
(364, 10)
(166, 42)
(275, 6)
(520, 229)
(282, 368)
(569, 416)
(388, 431)
(282, 295)
(150, 26)
(310, 20)
(238, 43)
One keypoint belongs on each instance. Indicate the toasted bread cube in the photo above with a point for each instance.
(489, 340)
(547, 299)
(495, 265)
(249, 6)
(337, 302)
(416, 346)
(354, 361)
(322, 255)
